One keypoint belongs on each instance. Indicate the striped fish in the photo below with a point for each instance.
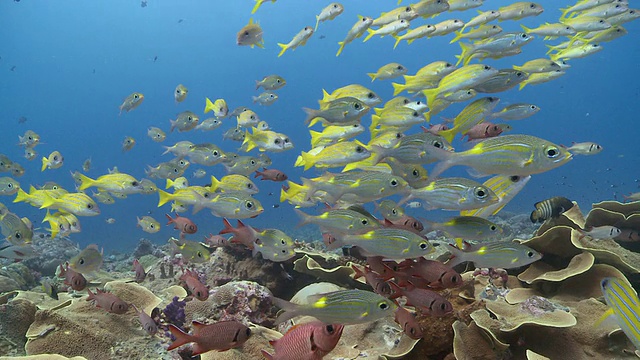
(503, 254)
(342, 306)
(624, 304)
(389, 243)
(550, 208)
(453, 194)
(506, 187)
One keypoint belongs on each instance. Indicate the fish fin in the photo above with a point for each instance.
(21, 196)
(456, 256)
(525, 29)
(215, 183)
(267, 355)
(317, 22)
(283, 47)
(448, 134)
(372, 76)
(431, 95)
(48, 201)
(369, 35)
(208, 105)
(458, 36)
(398, 39)
(342, 44)
(466, 53)
(309, 160)
(165, 197)
(256, 6)
(604, 317)
(45, 163)
(398, 88)
(311, 115)
(291, 310)
(181, 337)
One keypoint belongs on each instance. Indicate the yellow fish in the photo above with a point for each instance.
(54, 161)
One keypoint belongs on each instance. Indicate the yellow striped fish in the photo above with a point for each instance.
(624, 304)
(506, 187)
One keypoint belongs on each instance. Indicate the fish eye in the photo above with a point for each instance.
(215, 153)
(400, 67)
(356, 106)
(456, 21)
(514, 178)
(371, 95)
(423, 246)
(81, 262)
(359, 149)
(415, 114)
(182, 162)
(530, 254)
(330, 329)
(286, 140)
(552, 152)
(493, 228)
(447, 65)
(383, 306)
(407, 9)
(394, 182)
(443, 306)
(276, 141)
(481, 193)
(136, 96)
(253, 162)
(30, 138)
(437, 144)
(10, 185)
(189, 118)
(248, 332)
(89, 206)
(199, 254)
(365, 221)
(415, 173)
(601, 21)
(249, 186)
(524, 36)
(246, 33)
(278, 81)
(152, 226)
(249, 205)
(18, 235)
(487, 67)
(55, 157)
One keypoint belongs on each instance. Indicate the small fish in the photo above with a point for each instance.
(467, 227)
(271, 82)
(76, 203)
(148, 224)
(131, 102)
(17, 253)
(584, 148)
(336, 155)
(330, 12)
(389, 71)
(30, 154)
(9, 186)
(86, 165)
(483, 130)
(453, 194)
(156, 134)
(428, 301)
(49, 288)
(128, 143)
(390, 210)
(148, 324)
(55, 160)
(183, 224)
(519, 10)
(266, 98)
(104, 197)
(414, 205)
(312, 341)
(110, 221)
(220, 336)
(219, 108)
(177, 184)
(436, 274)
(88, 260)
(185, 121)
(248, 118)
(191, 251)
(196, 288)
(341, 111)
(408, 323)
(250, 35)
(233, 182)
(624, 304)
(180, 93)
(139, 270)
(506, 187)
(299, 40)
(108, 302)
(274, 245)
(392, 29)
(503, 254)
(342, 306)
(357, 30)
(15, 229)
(538, 66)
(601, 232)
(270, 174)
(29, 140)
(515, 112)
(209, 124)
(550, 208)
(377, 283)
(72, 278)
(344, 221)
(200, 173)
(235, 134)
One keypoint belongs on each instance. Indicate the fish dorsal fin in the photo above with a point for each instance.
(360, 209)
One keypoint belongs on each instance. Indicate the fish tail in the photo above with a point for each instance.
(448, 134)
(522, 85)
(308, 160)
(447, 160)
(295, 189)
(208, 105)
(525, 29)
(21, 196)
(256, 6)
(48, 202)
(283, 47)
(45, 162)
(398, 88)
(284, 195)
(534, 217)
(311, 115)
(173, 123)
(342, 44)
(565, 12)
(304, 218)
(431, 95)
(316, 136)
(291, 310)
(317, 22)
(170, 183)
(458, 36)
(372, 76)
(165, 197)
(248, 140)
(181, 337)
(369, 35)
(398, 39)
(466, 52)
(214, 183)
(357, 273)
(457, 256)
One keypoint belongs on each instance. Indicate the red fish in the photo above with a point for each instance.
(385, 268)
(429, 302)
(271, 174)
(406, 222)
(435, 273)
(408, 323)
(148, 324)
(310, 341)
(140, 273)
(73, 278)
(243, 234)
(435, 129)
(374, 280)
(483, 130)
(183, 224)
(199, 290)
(216, 240)
(220, 336)
(108, 302)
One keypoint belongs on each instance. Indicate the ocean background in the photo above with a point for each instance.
(75, 62)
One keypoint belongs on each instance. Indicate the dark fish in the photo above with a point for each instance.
(143, 3)
(550, 208)
(22, 120)
(155, 58)
(13, 68)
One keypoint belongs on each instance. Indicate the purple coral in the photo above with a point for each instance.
(174, 313)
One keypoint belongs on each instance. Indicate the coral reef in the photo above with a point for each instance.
(15, 318)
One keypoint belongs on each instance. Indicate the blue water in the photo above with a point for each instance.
(75, 61)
